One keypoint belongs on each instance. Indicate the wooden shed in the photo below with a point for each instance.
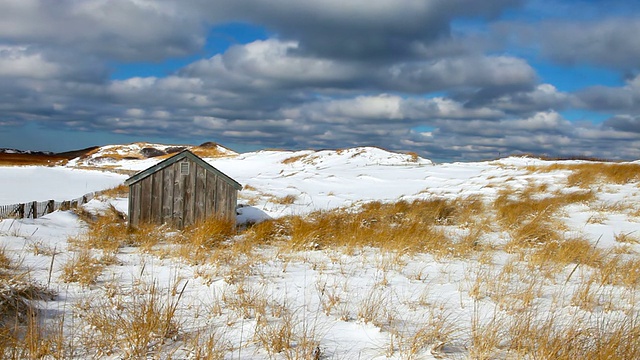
(180, 191)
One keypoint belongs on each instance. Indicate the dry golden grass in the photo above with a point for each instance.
(567, 251)
(147, 236)
(436, 331)
(5, 263)
(285, 200)
(400, 226)
(22, 334)
(197, 243)
(133, 324)
(588, 173)
(210, 232)
(549, 339)
(277, 335)
(414, 156)
(585, 175)
(293, 159)
(249, 187)
(208, 151)
(119, 191)
(267, 232)
(32, 159)
(31, 340)
(627, 238)
(83, 268)
(531, 216)
(208, 345)
(107, 231)
(618, 270)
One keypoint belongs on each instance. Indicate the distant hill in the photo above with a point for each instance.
(97, 155)
(28, 157)
(139, 155)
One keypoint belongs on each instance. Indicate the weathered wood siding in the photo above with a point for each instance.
(170, 196)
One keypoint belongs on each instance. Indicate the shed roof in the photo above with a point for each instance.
(181, 155)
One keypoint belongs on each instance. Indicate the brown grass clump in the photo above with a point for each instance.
(414, 156)
(267, 232)
(568, 251)
(616, 270)
(585, 174)
(412, 227)
(588, 173)
(106, 231)
(82, 268)
(21, 331)
(402, 226)
(133, 325)
(119, 191)
(469, 211)
(286, 200)
(293, 159)
(207, 152)
(147, 236)
(528, 221)
(627, 238)
(5, 263)
(197, 242)
(531, 216)
(210, 232)
(249, 187)
(548, 339)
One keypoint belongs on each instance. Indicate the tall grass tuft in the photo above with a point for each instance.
(402, 226)
(106, 231)
(22, 334)
(133, 324)
(197, 242)
(531, 216)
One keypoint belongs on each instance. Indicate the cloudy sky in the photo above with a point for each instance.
(448, 79)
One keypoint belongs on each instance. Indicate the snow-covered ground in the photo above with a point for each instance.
(364, 305)
(21, 184)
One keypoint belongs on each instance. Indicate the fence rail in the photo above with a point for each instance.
(35, 209)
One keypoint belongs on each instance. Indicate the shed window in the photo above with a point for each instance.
(184, 168)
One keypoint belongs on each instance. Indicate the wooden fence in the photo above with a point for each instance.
(36, 209)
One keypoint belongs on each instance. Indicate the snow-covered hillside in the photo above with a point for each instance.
(370, 302)
(116, 156)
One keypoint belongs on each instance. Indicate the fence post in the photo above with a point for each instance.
(34, 209)
(50, 207)
(20, 211)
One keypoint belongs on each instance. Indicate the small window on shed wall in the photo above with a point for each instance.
(184, 168)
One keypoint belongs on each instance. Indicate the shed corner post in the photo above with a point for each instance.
(130, 208)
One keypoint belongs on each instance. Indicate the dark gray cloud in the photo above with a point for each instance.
(544, 133)
(272, 64)
(360, 29)
(621, 99)
(528, 100)
(627, 123)
(609, 42)
(116, 29)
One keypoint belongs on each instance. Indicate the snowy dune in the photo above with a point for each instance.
(364, 304)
